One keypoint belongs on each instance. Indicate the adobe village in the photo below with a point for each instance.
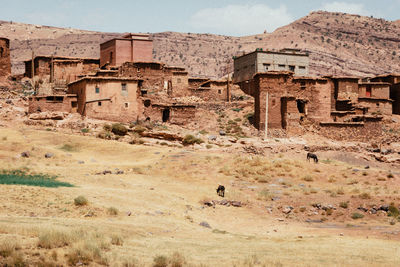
(115, 159)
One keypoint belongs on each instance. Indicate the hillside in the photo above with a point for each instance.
(338, 44)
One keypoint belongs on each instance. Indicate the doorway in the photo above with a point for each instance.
(165, 115)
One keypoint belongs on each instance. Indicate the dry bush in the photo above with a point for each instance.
(308, 178)
(85, 253)
(365, 195)
(160, 261)
(80, 201)
(117, 240)
(340, 191)
(56, 238)
(119, 129)
(344, 205)
(8, 247)
(112, 211)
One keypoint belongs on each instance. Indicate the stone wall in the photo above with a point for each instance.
(376, 106)
(175, 114)
(5, 60)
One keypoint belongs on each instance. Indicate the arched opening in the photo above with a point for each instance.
(165, 115)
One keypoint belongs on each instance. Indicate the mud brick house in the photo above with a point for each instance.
(157, 77)
(211, 90)
(108, 98)
(374, 98)
(247, 65)
(133, 47)
(282, 100)
(5, 60)
(174, 113)
(52, 103)
(394, 81)
(61, 70)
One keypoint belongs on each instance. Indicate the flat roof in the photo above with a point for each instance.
(301, 54)
(62, 58)
(63, 95)
(102, 78)
(341, 77)
(4, 38)
(127, 39)
(374, 83)
(387, 75)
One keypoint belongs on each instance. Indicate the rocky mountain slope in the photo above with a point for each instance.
(338, 43)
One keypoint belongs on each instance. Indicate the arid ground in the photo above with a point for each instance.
(152, 209)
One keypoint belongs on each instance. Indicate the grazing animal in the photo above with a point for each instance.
(221, 190)
(312, 156)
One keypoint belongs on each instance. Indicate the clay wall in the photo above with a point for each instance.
(108, 99)
(53, 103)
(376, 106)
(180, 84)
(107, 53)
(5, 59)
(348, 89)
(177, 114)
(362, 132)
(381, 91)
(312, 99)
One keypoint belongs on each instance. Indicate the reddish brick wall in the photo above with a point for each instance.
(5, 60)
(142, 50)
(60, 103)
(180, 84)
(365, 133)
(180, 115)
(107, 53)
(376, 106)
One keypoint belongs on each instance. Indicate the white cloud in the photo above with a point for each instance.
(344, 7)
(240, 19)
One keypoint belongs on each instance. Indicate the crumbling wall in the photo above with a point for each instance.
(5, 60)
(52, 103)
(348, 89)
(376, 106)
(180, 83)
(361, 132)
(177, 114)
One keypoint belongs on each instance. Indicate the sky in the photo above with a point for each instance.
(225, 17)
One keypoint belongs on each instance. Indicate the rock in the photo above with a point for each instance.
(384, 208)
(162, 136)
(212, 138)
(25, 154)
(366, 167)
(222, 133)
(236, 203)
(81, 162)
(107, 172)
(48, 155)
(129, 213)
(9, 101)
(287, 210)
(205, 224)
(275, 198)
(209, 203)
(48, 116)
(376, 150)
(341, 234)
(281, 220)
(362, 209)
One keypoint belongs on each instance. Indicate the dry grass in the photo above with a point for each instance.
(162, 188)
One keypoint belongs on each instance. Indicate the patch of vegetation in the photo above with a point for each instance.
(119, 129)
(117, 240)
(203, 132)
(308, 178)
(85, 130)
(80, 201)
(112, 211)
(20, 177)
(69, 148)
(139, 129)
(365, 196)
(344, 205)
(393, 211)
(104, 135)
(55, 239)
(191, 140)
(357, 215)
(7, 248)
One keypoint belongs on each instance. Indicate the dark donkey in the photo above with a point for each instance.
(221, 190)
(312, 156)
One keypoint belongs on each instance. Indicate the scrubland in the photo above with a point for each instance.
(147, 208)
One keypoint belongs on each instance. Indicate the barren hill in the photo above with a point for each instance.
(338, 44)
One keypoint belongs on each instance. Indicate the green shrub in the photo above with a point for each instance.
(80, 201)
(357, 215)
(22, 178)
(107, 127)
(104, 135)
(191, 140)
(119, 129)
(344, 205)
(69, 148)
(139, 129)
(393, 211)
(85, 130)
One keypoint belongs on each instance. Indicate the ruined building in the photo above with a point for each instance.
(133, 47)
(394, 81)
(247, 65)
(5, 60)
